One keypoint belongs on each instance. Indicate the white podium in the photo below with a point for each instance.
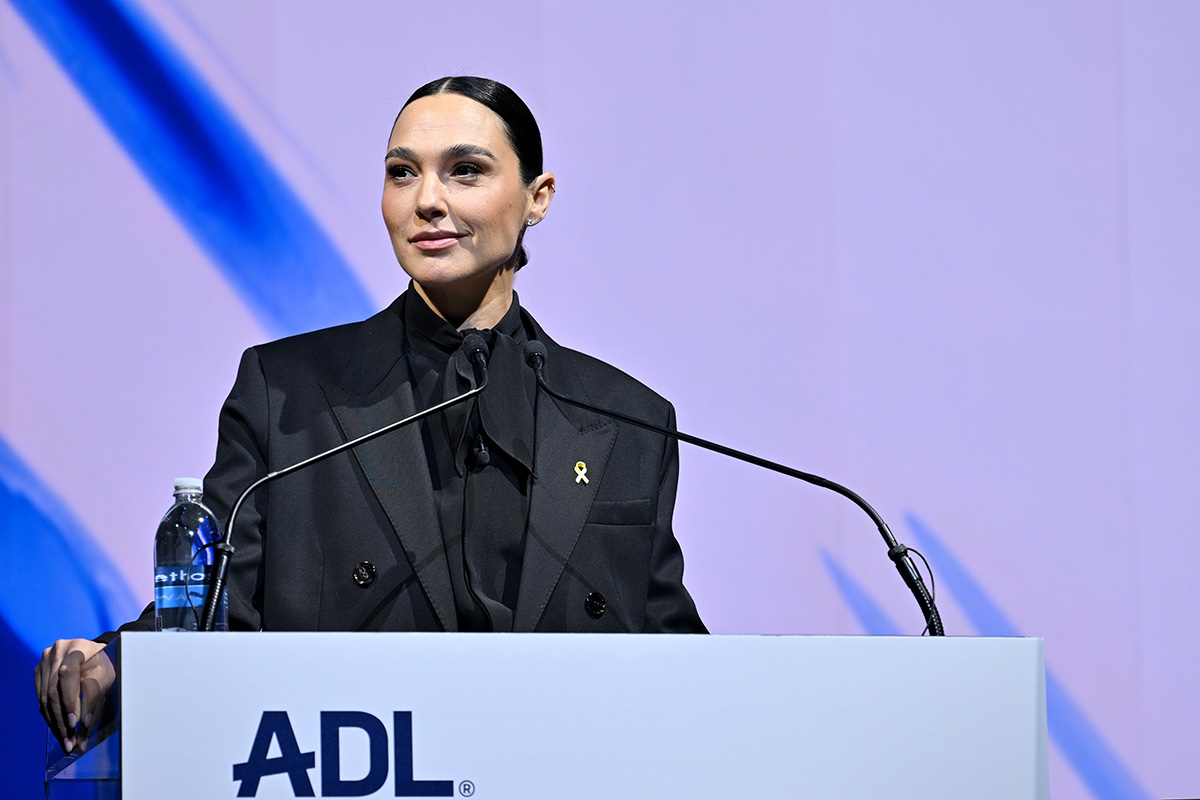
(530, 716)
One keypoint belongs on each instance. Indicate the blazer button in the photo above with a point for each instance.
(364, 574)
(595, 604)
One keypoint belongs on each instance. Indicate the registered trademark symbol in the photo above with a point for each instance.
(466, 788)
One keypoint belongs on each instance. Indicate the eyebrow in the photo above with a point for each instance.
(457, 151)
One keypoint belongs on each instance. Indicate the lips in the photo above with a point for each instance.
(436, 240)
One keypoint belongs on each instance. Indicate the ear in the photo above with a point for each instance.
(542, 191)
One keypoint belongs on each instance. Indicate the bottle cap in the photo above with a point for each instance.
(189, 486)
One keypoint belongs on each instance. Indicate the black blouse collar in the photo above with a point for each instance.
(506, 407)
(436, 338)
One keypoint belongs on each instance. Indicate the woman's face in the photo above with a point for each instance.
(453, 199)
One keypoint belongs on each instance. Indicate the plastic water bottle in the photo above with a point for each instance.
(183, 557)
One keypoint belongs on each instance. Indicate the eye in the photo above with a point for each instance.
(467, 169)
(397, 172)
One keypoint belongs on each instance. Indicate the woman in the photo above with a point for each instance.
(512, 513)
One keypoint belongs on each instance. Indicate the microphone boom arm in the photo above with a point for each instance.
(897, 552)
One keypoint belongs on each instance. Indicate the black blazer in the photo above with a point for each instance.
(300, 538)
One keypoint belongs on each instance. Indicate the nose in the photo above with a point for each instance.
(431, 198)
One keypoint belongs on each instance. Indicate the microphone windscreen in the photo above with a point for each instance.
(535, 353)
(475, 343)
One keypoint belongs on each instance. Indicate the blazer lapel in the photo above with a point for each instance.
(376, 390)
(561, 498)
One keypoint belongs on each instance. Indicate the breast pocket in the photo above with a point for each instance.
(622, 512)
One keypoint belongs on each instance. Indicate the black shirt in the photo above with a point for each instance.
(480, 456)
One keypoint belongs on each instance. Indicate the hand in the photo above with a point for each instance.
(71, 689)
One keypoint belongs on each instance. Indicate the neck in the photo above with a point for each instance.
(479, 306)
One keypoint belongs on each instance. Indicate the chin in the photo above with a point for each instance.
(444, 276)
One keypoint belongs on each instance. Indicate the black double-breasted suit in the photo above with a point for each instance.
(354, 542)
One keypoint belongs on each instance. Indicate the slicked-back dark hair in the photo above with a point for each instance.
(524, 136)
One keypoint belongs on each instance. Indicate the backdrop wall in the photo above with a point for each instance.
(943, 253)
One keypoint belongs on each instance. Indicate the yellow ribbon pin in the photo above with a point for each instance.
(581, 472)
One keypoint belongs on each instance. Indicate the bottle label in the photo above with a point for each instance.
(179, 595)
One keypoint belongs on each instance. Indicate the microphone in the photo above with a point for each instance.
(535, 356)
(477, 351)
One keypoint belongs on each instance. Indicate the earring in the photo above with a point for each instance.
(529, 223)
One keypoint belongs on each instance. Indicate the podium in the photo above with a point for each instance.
(497, 716)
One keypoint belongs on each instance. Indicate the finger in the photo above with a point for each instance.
(49, 693)
(42, 688)
(98, 677)
(83, 731)
(39, 685)
(68, 695)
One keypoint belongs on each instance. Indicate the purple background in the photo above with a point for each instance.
(944, 253)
